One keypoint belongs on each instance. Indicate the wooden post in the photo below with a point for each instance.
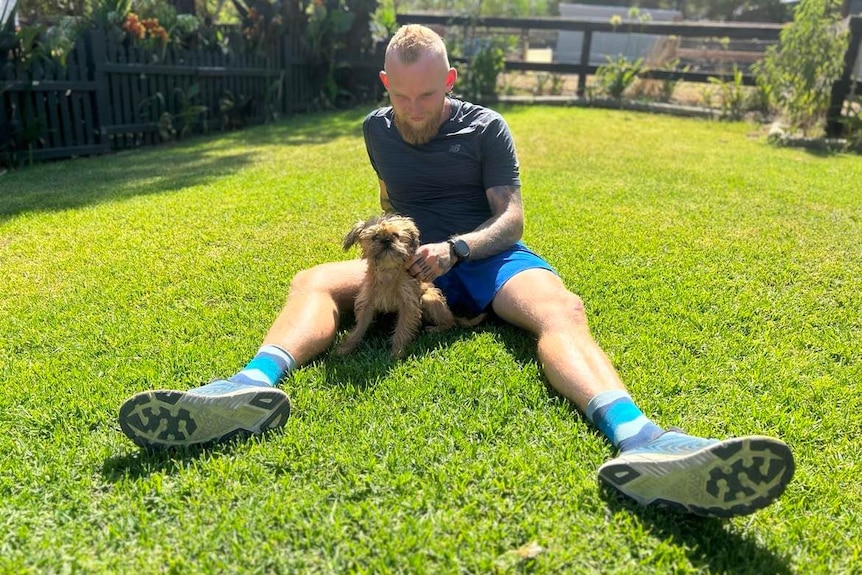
(585, 62)
(841, 87)
(102, 120)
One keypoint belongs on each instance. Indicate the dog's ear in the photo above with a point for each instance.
(353, 235)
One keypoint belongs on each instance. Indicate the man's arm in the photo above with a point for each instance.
(496, 234)
(503, 228)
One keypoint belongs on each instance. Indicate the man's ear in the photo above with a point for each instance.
(384, 79)
(451, 76)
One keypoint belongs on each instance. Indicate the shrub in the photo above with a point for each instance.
(796, 74)
(617, 75)
(483, 69)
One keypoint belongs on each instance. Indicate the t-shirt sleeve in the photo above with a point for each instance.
(499, 160)
(369, 148)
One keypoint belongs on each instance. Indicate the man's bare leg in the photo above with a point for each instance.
(308, 322)
(708, 477)
(249, 402)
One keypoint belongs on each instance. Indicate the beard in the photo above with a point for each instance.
(417, 135)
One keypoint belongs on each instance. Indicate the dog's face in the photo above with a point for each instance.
(387, 241)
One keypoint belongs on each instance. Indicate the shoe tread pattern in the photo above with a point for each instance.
(152, 420)
(743, 476)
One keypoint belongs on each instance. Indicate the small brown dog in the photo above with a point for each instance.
(388, 243)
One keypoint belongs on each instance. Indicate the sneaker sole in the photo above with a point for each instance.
(727, 479)
(162, 419)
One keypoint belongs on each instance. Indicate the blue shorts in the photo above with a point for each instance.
(470, 286)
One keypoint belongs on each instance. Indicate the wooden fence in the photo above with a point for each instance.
(714, 60)
(762, 35)
(112, 94)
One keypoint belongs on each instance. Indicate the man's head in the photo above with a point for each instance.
(417, 76)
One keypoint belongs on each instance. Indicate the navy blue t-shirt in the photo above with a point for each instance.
(441, 184)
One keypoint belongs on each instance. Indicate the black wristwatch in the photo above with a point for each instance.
(460, 248)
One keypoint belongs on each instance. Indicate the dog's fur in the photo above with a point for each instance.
(388, 243)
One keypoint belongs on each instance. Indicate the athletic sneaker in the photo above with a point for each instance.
(703, 476)
(211, 413)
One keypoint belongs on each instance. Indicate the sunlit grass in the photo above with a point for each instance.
(720, 275)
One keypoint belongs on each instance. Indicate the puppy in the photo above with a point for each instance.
(388, 243)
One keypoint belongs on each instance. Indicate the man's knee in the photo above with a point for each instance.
(315, 279)
(571, 307)
(339, 281)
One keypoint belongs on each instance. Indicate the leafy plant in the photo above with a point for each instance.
(617, 75)
(383, 21)
(261, 23)
(176, 124)
(542, 78)
(8, 36)
(669, 83)
(732, 95)
(326, 28)
(483, 69)
(111, 13)
(852, 121)
(796, 74)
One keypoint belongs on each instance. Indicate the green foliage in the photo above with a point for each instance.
(852, 121)
(723, 10)
(23, 43)
(483, 8)
(383, 21)
(796, 75)
(732, 95)
(108, 13)
(326, 27)
(613, 78)
(177, 116)
(482, 71)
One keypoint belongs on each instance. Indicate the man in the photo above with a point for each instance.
(451, 166)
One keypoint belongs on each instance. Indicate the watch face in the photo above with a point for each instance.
(462, 250)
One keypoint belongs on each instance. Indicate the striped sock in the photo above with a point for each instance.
(266, 368)
(616, 415)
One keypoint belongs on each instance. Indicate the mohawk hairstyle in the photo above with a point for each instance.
(412, 41)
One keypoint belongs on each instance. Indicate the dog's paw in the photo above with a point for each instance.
(345, 348)
(437, 328)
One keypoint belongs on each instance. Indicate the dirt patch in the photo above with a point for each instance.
(535, 84)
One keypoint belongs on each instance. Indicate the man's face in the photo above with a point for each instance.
(418, 93)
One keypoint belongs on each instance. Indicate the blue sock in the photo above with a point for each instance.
(617, 416)
(266, 368)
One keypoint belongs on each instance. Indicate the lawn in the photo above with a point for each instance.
(721, 275)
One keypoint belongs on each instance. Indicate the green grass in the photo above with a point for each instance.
(721, 275)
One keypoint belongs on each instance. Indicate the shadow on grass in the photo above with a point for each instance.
(371, 360)
(144, 462)
(708, 542)
(159, 169)
(109, 179)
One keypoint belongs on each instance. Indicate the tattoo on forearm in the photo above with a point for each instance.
(506, 223)
(501, 196)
